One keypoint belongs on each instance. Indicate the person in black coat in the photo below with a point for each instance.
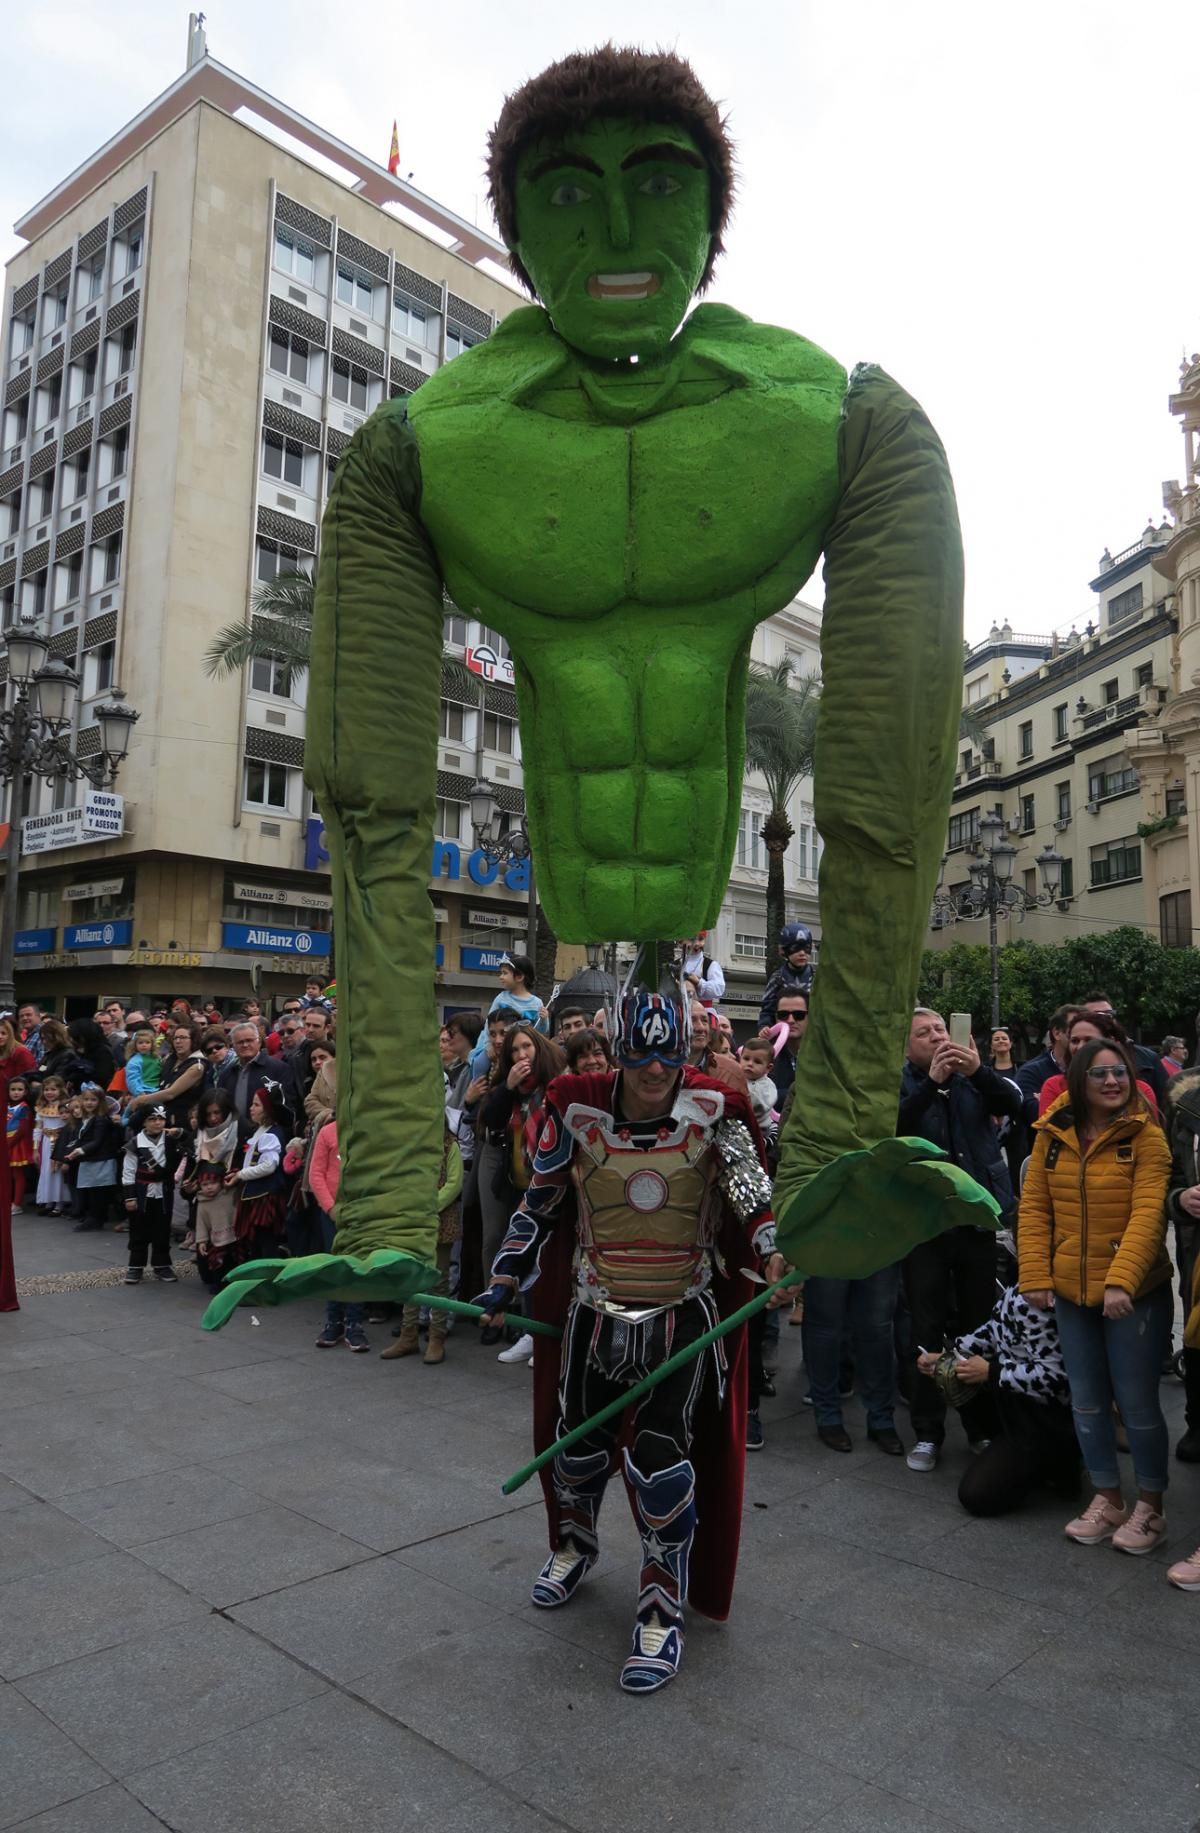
(949, 1097)
(90, 1043)
(1050, 1062)
(254, 1068)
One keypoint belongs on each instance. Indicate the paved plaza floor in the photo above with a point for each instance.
(246, 1587)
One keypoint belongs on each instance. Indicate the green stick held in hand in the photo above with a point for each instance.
(531, 1324)
(678, 1360)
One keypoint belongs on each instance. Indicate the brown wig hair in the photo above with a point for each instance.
(1077, 1078)
(548, 1059)
(611, 80)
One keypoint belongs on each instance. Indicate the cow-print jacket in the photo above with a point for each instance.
(1021, 1344)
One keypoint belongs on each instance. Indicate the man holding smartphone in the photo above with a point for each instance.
(950, 1098)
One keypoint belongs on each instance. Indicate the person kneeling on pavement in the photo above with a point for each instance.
(1016, 1352)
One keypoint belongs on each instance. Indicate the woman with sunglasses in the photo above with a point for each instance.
(1091, 1241)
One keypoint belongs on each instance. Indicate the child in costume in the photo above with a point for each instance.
(143, 1068)
(20, 1139)
(53, 1196)
(148, 1194)
(261, 1206)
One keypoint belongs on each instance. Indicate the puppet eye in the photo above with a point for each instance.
(569, 194)
(661, 185)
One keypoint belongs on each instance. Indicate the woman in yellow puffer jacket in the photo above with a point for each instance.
(1091, 1243)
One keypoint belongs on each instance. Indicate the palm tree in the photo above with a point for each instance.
(781, 724)
(279, 629)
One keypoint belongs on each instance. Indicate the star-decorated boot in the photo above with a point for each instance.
(579, 1490)
(666, 1512)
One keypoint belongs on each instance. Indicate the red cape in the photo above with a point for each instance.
(21, 1063)
(719, 1439)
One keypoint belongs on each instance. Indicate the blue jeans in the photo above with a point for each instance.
(866, 1305)
(353, 1317)
(1121, 1359)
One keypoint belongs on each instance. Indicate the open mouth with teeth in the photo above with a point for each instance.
(623, 286)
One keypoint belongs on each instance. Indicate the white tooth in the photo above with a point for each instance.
(624, 279)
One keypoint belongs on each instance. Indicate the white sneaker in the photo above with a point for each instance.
(923, 1456)
(520, 1351)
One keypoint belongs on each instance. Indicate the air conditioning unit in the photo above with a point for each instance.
(121, 388)
(83, 413)
(1063, 822)
(1093, 808)
(292, 398)
(1014, 824)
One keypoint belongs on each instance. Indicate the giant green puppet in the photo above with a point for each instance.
(625, 487)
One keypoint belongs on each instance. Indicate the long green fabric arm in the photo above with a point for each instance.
(461, 1308)
(371, 757)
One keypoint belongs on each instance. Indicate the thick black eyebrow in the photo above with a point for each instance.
(556, 160)
(665, 151)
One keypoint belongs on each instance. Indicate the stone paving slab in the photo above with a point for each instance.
(105, 1810)
(39, 1767)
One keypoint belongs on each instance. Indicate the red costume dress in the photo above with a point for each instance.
(19, 1062)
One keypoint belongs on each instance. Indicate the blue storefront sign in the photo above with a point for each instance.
(98, 935)
(34, 941)
(481, 960)
(439, 956)
(266, 939)
(448, 861)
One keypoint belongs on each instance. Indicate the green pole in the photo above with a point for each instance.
(531, 1324)
(678, 1360)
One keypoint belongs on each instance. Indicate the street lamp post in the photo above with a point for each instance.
(991, 892)
(486, 820)
(34, 722)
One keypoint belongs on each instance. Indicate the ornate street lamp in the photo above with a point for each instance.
(34, 722)
(487, 821)
(992, 893)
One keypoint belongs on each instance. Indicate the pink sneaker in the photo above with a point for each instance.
(1142, 1532)
(1099, 1521)
(1186, 1573)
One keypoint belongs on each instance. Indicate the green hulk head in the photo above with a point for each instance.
(611, 176)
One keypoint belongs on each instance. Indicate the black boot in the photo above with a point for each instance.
(1188, 1448)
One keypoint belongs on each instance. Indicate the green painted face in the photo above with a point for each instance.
(613, 232)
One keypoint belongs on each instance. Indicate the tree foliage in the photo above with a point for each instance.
(1155, 990)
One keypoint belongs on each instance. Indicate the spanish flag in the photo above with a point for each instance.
(394, 155)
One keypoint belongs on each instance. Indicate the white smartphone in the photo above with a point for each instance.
(960, 1029)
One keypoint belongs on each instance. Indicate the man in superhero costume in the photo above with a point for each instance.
(670, 1224)
(794, 973)
(625, 488)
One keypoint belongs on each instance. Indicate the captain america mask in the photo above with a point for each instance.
(650, 1029)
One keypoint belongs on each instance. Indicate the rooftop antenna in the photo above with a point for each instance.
(197, 48)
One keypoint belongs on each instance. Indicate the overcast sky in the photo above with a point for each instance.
(993, 203)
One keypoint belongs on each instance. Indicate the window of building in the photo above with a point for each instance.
(20, 337)
(283, 459)
(10, 512)
(458, 340)
(750, 849)
(114, 455)
(1066, 878)
(1060, 722)
(453, 721)
(495, 641)
(54, 308)
(1030, 881)
(271, 558)
(964, 762)
(295, 256)
(351, 384)
(266, 785)
(451, 819)
(81, 378)
(499, 733)
(963, 830)
(454, 629)
(106, 562)
(41, 496)
(1063, 793)
(1176, 802)
(415, 322)
(1025, 738)
(1115, 862)
(33, 594)
(1111, 692)
(69, 579)
(355, 289)
(76, 483)
(1175, 919)
(89, 282)
(126, 349)
(289, 355)
(1143, 674)
(1028, 821)
(98, 665)
(48, 401)
(977, 690)
(128, 249)
(750, 947)
(16, 421)
(1112, 776)
(270, 675)
(1125, 604)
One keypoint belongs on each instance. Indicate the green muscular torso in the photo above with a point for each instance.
(626, 531)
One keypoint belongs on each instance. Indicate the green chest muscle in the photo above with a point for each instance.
(570, 518)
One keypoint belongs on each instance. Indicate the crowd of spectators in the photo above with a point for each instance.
(215, 1136)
